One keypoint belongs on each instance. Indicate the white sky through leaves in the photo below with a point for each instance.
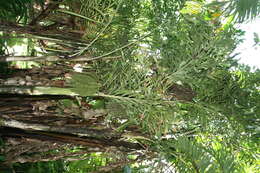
(249, 54)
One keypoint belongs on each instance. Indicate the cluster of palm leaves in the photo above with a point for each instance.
(244, 9)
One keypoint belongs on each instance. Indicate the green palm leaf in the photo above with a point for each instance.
(244, 9)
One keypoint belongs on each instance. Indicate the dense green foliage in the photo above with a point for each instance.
(244, 9)
(173, 80)
(16, 10)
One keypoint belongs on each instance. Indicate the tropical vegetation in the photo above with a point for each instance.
(127, 86)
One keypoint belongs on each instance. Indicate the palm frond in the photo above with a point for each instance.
(134, 94)
(244, 9)
(190, 156)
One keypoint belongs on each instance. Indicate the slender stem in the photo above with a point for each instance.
(120, 48)
(78, 15)
(37, 90)
(51, 58)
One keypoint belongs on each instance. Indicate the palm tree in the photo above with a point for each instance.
(244, 9)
